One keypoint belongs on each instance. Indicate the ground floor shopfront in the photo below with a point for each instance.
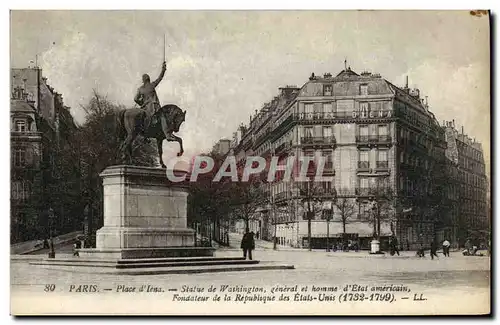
(323, 233)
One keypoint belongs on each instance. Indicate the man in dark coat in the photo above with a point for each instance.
(247, 244)
(434, 247)
(147, 98)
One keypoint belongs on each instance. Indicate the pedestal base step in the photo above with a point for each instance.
(145, 253)
(161, 266)
(125, 264)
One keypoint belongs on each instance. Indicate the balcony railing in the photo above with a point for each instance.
(317, 140)
(373, 139)
(363, 165)
(372, 191)
(382, 164)
(283, 147)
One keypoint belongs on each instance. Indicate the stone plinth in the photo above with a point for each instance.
(145, 215)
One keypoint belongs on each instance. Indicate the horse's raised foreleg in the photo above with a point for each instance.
(169, 136)
(172, 138)
(159, 143)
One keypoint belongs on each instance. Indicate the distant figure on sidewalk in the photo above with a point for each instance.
(446, 248)
(434, 247)
(248, 244)
(393, 242)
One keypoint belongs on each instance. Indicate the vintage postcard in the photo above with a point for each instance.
(250, 162)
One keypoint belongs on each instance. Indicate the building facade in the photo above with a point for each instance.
(468, 186)
(41, 129)
(381, 145)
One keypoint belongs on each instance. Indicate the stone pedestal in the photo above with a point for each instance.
(145, 216)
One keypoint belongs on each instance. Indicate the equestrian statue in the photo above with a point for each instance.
(151, 120)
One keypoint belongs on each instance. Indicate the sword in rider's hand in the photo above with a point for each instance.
(164, 47)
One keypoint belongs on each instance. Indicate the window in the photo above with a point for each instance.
(308, 132)
(309, 111)
(402, 157)
(328, 110)
(19, 157)
(363, 89)
(345, 105)
(364, 155)
(382, 183)
(363, 130)
(327, 187)
(21, 190)
(382, 130)
(363, 107)
(364, 182)
(327, 90)
(383, 155)
(327, 132)
(328, 159)
(20, 126)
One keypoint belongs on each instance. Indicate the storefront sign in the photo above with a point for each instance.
(372, 114)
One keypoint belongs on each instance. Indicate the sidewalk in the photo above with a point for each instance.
(30, 246)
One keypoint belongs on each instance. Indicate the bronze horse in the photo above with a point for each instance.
(130, 124)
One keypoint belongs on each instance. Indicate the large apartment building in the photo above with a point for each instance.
(467, 185)
(40, 128)
(375, 137)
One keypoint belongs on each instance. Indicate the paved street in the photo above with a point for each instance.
(450, 280)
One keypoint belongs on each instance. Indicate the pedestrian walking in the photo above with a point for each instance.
(394, 245)
(446, 248)
(248, 244)
(75, 250)
(434, 247)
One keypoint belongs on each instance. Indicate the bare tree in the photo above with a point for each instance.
(312, 197)
(347, 210)
(382, 207)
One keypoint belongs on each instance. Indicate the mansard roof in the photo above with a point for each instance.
(346, 83)
(21, 106)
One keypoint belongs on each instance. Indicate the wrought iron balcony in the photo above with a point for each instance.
(306, 141)
(363, 165)
(285, 146)
(373, 140)
(382, 164)
(373, 191)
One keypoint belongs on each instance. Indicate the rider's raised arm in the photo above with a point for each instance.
(163, 69)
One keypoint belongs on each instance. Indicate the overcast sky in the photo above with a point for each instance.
(222, 66)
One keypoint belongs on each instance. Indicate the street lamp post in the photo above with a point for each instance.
(273, 211)
(52, 252)
(328, 218)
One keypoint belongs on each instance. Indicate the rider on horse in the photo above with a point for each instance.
(147, 99)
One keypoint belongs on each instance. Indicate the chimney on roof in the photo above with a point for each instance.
(426, 101)
(453, 122)
(406, 84)
(327, 75)
(462, 130)
(312, 77)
